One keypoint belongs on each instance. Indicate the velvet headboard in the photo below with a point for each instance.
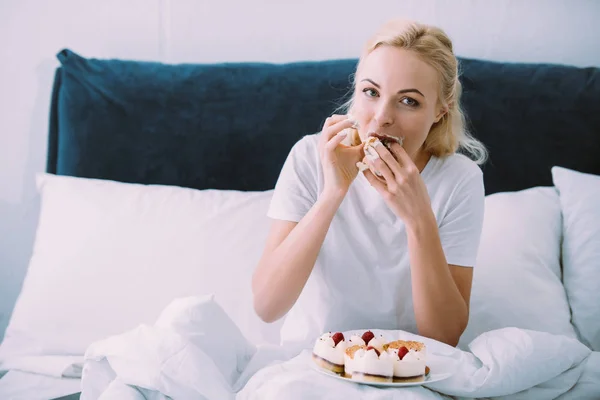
(231, 125)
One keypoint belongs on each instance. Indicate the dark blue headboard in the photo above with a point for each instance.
(230, 126)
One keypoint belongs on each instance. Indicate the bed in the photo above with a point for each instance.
(156, 187)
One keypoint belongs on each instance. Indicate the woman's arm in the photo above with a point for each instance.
(289, 257)
(441, 292)
(292, 249)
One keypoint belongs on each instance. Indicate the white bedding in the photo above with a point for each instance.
(21, 385)
(179, 357)
(588, 385)
(195, 350)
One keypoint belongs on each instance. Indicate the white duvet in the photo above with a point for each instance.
(194, 351)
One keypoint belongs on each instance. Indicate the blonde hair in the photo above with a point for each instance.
(434, 47)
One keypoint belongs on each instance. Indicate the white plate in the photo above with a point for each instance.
(440, 367)
(432, 377)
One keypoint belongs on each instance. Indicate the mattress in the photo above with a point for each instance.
(18, 385)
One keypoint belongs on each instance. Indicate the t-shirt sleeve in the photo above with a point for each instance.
(296, 189)
(460, 229)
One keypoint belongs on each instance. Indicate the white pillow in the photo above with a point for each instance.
(580, 201)
(516, 281)
(109, 256)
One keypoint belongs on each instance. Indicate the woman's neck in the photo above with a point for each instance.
(422, 159)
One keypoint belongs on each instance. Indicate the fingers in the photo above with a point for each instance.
(402, 156)
(335, 141)
(376, 163)
(388, 158)
(334, 119)
(374, 181)
(333, 125)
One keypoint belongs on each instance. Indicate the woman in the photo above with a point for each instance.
(392, 250)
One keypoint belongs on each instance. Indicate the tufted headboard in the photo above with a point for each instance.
(231, 125)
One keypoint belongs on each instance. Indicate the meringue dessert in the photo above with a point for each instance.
(329, 350)
(370, 358)
(409, 360)
(355, 343)
(371, 365)
(349, 354)
(370, 150)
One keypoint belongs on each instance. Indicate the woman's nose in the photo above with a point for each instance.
(384, 116)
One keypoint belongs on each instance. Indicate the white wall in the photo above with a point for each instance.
(33, 31)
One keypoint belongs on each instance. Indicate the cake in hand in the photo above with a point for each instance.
(370, 365)
(370, 144)
(328, 352)
(409, 360)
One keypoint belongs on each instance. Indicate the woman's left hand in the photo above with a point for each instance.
(401, 184)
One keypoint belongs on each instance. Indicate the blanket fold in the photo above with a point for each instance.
(195, 351)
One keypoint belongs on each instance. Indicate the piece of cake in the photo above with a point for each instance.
(329, 350)
(355, 343)
(409, 360)
(370, 365)
(370, 145)
(352, 137)
(351, 350)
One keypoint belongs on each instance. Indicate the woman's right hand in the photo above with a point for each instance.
(338, 160)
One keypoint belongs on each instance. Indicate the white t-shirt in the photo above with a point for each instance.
(361, 278)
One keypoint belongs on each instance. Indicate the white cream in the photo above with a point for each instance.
(349, 362)
(412, 364)
(368, 362)
(356, 340)
(326, 349)
(414, 355)
(377, 342)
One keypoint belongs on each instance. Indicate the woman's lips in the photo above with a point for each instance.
(386, 138)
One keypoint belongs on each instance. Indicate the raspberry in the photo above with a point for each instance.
(373, 348)
(402, 351)
(337, 337)
(367, 336)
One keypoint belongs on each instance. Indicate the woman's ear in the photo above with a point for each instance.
(440, 115)
(443, 111)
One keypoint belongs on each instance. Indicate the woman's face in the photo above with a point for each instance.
(396, 94)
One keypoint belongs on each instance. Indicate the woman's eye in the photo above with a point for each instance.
(410, 102)
(370, 92)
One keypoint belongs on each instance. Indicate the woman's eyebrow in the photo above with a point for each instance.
(399, 91)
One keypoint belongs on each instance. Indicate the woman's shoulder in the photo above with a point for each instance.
(303, 158)
(305, 152)
(459, 166)
(307, 144)
(455, 172)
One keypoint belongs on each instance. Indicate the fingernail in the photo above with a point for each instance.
(343, 133)
(371, 154)
(362, 166)
(372, 157)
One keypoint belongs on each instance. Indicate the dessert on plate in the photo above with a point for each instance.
(349, 354)
(370, 365)
(328, 352)
(409, 359)
(355, 343)
(370, 358)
